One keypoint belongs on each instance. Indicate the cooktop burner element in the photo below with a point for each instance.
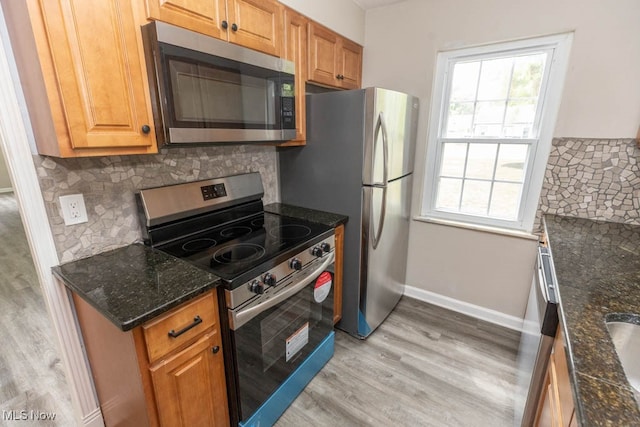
(198, 245)
(290, 231)
(236, 231)
(239, 252)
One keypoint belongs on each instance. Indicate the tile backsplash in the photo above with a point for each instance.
(109, 184)
(593, 178)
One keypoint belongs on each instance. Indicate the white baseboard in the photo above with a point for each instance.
(482, 313)
(6, 190)
(93, 419)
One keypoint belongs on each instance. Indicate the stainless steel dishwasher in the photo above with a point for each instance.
(539, 330)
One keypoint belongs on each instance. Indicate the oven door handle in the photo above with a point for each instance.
(237, 319)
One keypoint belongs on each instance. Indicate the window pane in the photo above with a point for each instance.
(465, 81)
(511, 161)
(494, 79)
(487, 131)
(518, 131)
(505, 200)
(448, 194)
(482, 158)
(521, 111)
(489, 112)
(459, 119)
(453, 157)
(527, 76)
(475, 197)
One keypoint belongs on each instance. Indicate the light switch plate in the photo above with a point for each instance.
(73, 209)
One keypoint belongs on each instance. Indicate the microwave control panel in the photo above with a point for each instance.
(288, 110)
(213, 191)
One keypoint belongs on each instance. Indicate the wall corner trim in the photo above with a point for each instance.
(475, 311)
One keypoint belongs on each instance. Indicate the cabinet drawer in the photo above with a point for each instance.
(180, 326)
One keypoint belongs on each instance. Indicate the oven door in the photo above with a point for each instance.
(272, 343)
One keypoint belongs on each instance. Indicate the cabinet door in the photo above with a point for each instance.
(202, 16)
(256, 24)
(350, 65)
(337, 276)
(323, 55)
(190, 386)
(295, 49)
(96, 52)
(565, 395)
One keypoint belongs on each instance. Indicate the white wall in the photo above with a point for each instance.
(5, 182)
(601, 99)
(344, 17)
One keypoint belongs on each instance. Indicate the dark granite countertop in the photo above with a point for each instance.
(133, 284)
(598, 270)
(312, 215)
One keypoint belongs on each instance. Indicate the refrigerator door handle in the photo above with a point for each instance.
(381, 126)
(383, 212)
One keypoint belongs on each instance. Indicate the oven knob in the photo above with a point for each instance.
(316, 251)
(256, 287)
(326, 247)
(269, 279)
(295, 264)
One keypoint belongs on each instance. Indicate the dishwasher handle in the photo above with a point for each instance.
(546, 275)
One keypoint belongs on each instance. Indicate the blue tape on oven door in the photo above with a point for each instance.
(322, 286)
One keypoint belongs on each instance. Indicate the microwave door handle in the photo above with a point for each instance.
(236, 320)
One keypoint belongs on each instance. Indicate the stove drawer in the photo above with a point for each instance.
(180, 326)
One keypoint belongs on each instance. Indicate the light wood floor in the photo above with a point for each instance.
(31, 375)
(424, 366)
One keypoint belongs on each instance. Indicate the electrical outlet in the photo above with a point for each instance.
(73, 209)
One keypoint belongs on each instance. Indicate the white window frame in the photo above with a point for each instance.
(558, 47)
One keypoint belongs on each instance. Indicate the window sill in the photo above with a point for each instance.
(476, 227)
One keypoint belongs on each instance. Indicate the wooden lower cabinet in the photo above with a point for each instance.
(184, 385)
(556, 408)
(337, 274)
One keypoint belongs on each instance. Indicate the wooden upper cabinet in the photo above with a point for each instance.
(332, 59)
(350, 65)
(295, 49)
(256, 24)
(202, 16)
(93, 73)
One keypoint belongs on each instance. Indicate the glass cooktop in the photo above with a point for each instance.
(233, 250)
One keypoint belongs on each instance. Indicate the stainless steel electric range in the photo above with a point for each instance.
(277, 298)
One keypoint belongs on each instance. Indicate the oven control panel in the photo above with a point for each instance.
(213, 191)
(279, 277)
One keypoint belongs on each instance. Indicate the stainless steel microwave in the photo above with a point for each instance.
(206, 90)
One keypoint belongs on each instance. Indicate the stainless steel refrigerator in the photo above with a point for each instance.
(358, 161)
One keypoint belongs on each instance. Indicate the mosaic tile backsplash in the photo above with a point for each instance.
(109, 184)
(593, 178)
